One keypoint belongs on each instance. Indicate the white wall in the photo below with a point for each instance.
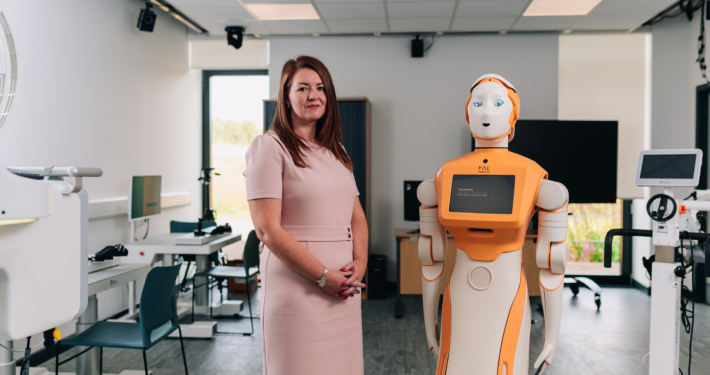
(675, 76)
(418, 119)
(605, 77)
(215, 53)
(94, 91)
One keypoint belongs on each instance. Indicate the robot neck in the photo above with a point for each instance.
(498, 143)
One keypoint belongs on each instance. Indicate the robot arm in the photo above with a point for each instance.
(551, 257)
(432, 252)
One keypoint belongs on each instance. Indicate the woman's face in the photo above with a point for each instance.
(307, 96)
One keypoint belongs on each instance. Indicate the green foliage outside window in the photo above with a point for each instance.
(230, 140)
(239, 133)
(588, 226)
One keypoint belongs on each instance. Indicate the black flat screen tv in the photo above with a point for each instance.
(582, 155)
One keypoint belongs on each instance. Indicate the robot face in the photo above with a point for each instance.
(489, 110)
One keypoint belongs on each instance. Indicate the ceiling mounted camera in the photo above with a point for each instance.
(235, 36)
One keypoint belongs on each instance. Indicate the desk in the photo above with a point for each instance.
(99, 281)
(409, 279)
(163, 248)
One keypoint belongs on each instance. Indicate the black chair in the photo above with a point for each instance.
(245, 272)
(158, 319)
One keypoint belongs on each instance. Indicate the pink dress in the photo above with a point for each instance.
(306, 331)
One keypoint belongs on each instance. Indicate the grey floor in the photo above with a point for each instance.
(612, 341)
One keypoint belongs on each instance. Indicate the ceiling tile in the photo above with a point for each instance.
(217, 27)
(419, 24)
(342, 11)
(546, 23)
(610, 22)
(216, 12)
(421, 10)
(176, 3)
(416, 1)
(632, 6)
(490, 8)
(296, 27)
(346, 1)
(357, 26)
(483, 23)
(620, 13)
(247, 2)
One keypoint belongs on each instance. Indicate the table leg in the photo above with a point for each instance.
(201, 294)
(398, 310)
(131, 297)
(6, 357)
(88, 363)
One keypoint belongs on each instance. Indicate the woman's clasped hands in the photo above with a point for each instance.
(345, 282)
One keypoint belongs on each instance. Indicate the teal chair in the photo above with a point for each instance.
(245, 272)
(158, 319)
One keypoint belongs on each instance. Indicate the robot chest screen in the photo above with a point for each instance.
(486, 199)
(482, 194)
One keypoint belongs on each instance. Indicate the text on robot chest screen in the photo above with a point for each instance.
(482, 194)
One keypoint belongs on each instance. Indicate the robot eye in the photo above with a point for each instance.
(477, 103)
(498, 102)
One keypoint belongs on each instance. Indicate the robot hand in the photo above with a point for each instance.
(545, 357)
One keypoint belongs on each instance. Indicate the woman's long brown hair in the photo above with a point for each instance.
(329, 130)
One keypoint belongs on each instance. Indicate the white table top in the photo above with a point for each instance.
(108, 278)
(165, 244)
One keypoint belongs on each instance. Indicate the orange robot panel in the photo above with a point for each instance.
(488, 211)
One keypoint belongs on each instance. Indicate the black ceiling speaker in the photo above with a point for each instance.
(417, 47)
(146, 20)
(235, 36)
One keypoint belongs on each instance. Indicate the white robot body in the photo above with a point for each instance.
(481, 293)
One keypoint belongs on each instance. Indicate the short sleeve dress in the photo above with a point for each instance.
(306, 331)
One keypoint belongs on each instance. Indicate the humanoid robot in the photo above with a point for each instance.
(486, 200)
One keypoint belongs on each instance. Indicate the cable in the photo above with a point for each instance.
(430, 44)
(21, 351)
(688, 316)
(145, 222)
(701, 43)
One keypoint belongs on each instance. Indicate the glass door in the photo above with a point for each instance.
(236, 116)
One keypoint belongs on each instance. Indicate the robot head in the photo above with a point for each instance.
(492, 108)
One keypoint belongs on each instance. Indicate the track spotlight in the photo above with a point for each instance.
(235, 36)
(146, 20)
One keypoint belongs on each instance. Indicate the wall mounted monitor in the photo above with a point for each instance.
(582, 155)
(669, 168)
(411, 202)
(144, 197)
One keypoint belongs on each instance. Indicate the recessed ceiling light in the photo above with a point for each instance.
(274, 12)
(560, 7)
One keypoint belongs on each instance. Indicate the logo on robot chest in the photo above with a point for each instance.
(484, 169)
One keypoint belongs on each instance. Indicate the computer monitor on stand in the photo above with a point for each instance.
(411, 202)
(143, 200)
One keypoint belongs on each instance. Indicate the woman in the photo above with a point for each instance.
(305, 207)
